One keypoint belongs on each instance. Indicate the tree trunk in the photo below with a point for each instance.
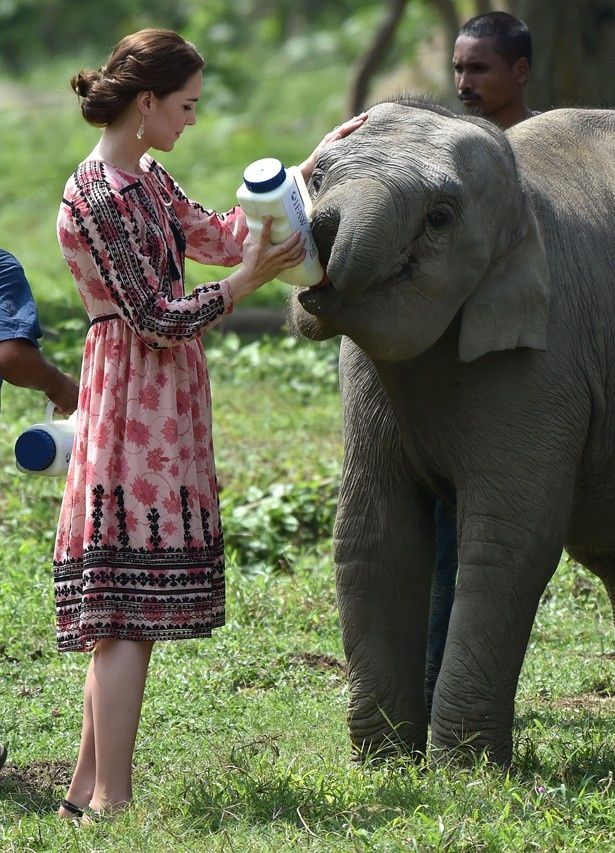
(372, 58)
(574, 46)
(451, 21)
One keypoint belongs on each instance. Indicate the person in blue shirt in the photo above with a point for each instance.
(21, 361)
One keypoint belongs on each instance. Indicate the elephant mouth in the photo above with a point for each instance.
(321, 298)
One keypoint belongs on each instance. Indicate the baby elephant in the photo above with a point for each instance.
(472, 274)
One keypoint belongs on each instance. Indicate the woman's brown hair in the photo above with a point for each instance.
(155, 60)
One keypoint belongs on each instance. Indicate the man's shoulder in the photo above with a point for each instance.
(18, 315)
(12, 275)
(8, 262)
(15, 291)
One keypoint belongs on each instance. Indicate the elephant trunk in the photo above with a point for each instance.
(355, 235)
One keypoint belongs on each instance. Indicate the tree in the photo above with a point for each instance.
(36, 30)
(370, 61)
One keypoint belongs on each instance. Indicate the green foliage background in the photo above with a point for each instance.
(274, 86)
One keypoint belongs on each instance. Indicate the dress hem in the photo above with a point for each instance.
(80, 645)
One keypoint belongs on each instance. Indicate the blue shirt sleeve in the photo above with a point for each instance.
(18, 314)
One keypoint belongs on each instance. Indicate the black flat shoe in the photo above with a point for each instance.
(71, 808)
(3, 754)
(84, 816)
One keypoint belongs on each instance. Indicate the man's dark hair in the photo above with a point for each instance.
(511, 36)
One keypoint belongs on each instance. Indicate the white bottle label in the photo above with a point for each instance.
(293, 205)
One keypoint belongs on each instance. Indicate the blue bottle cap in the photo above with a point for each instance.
(265, 175)
(35, 450)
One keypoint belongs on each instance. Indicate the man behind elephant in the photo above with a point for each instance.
(492, 58)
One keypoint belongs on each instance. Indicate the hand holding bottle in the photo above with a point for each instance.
(263, 261)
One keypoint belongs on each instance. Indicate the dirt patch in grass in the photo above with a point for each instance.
(593, 702)
(34, 786)
(318, 661)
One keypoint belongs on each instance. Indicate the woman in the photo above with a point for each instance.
(139, 550)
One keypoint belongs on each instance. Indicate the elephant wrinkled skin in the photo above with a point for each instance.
(472, 275)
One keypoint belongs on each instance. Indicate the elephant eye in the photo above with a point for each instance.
(316, 180)
(439, 217)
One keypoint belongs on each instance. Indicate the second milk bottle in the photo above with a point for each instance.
(46, 448)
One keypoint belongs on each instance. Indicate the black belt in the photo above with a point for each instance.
(104, 317)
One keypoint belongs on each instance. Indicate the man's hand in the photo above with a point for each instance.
(22, 364)
(64, 392)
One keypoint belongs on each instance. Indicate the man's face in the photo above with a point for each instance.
(486, 84)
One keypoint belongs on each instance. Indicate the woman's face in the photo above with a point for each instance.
(169, 116)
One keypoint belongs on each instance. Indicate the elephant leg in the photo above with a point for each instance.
(505, 563)
(601, 564)
(442, 596)
(384, 552)
(384, 558)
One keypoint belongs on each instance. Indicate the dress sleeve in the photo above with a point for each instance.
(211, 238)
(103, 225)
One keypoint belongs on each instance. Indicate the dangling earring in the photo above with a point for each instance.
(141, 129)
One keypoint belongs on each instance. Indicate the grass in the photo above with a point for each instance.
(243, 742)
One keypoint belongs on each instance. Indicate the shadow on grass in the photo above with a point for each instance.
(33, 787)
(255, 786)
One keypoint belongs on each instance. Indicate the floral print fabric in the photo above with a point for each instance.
(139, 548)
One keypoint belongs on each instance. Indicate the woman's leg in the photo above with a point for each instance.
(120, 668)
(82, 784)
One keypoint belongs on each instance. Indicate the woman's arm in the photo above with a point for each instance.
(100, 224)
(211, 237)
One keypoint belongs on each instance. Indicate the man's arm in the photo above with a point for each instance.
(22, 364)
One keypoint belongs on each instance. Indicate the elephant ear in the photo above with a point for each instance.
(509, 308)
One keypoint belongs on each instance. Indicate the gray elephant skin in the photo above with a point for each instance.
(471, 273)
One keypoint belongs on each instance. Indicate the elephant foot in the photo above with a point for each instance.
(382, 754)
(403, 741)
(463, 745)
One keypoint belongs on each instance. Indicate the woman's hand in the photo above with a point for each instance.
(339, 132)
(263, 261)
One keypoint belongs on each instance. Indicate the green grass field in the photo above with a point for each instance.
(243, 744)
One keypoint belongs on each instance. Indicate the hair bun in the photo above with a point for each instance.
(81, 83)
(155, 60)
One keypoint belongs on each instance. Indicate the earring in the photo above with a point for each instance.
(141, 129)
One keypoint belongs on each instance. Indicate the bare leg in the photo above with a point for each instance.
(113, 696)
(84, 778)
(120, 669)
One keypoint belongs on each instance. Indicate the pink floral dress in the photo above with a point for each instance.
(139, 548)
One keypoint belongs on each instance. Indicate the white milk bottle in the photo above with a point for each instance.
(271, 190)
(46, 448)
